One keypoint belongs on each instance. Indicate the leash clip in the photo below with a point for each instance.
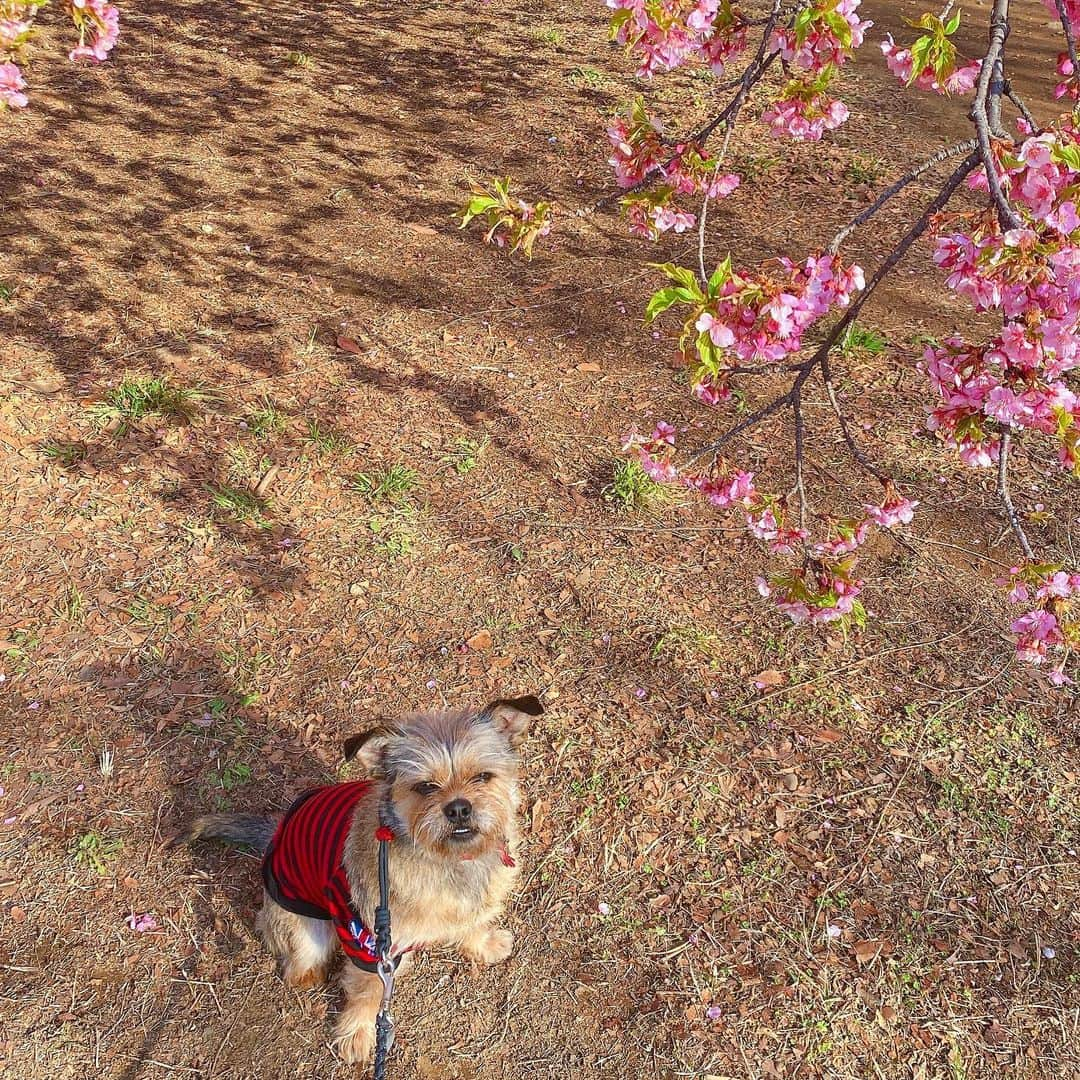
(385, 971)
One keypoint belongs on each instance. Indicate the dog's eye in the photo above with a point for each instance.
(426, 788)
(482, 778)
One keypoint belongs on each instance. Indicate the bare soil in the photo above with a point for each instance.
(864, 868)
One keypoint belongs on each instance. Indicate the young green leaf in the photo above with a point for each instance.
(660, 301)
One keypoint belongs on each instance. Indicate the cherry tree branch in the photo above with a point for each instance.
(807, 367)
(702, 217)
(894, 189)
(729, 113)
(985, 112)
(1011, 515)
(750, 77)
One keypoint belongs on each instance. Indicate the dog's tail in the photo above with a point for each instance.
(251, 829)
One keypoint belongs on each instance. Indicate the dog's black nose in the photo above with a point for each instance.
(458, 810)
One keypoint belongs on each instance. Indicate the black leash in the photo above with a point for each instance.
(384, 1022)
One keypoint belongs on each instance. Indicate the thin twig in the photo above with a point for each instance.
(705, 205)
(894, 189)
(845, 430)
(1021, 106)
(701, 233)
(1006, 499)
(832, 673)
(800, 490)
(1070, 39)
(986, 107)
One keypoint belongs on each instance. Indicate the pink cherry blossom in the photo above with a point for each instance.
(11, 86)
(893, 512)
(143, 924)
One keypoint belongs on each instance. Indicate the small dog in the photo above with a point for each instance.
(445, 785)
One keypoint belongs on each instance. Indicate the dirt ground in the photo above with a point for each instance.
(865, 868)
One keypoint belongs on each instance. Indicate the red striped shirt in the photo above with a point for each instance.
(303, 869)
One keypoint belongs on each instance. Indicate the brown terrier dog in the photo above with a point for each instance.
(445, 786)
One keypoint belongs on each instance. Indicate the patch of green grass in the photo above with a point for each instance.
(243, 464)
(245, 669)
(392, 483)
(549, 36)
(631, 487)
(465, 454)
(590, 77)
(394, 537)
(756, 166)
(137, 398)
(23, 643)
(863, 339)
(326, 440)
(688, 642)
(234, 775)
(71, 607)
(240, 505)
(266, 421)
(66, 454)
(95, 851)
(864, 169)
(146, 613)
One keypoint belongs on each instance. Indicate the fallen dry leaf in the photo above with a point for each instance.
(771, 677)
(45, 386)
(349, 346)
(866, 952)
(480, 641)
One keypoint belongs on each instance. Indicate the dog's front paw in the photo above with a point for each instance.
(355, 1047)
(490, 947)
(304, 979)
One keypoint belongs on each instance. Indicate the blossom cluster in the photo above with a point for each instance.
(749, 317)
(824, 587)
(932, 63)
(804, 114)
(960, 79)
(671, 33)
(97, 22)
(816, 44)
(1031, 274)
(1070, 85)
(16, 29)
(639, 153)
(1051, 629)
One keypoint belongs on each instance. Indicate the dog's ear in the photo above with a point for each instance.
(513, 716)
(367, 747)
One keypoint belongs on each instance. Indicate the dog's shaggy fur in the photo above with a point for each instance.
(448, 882)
